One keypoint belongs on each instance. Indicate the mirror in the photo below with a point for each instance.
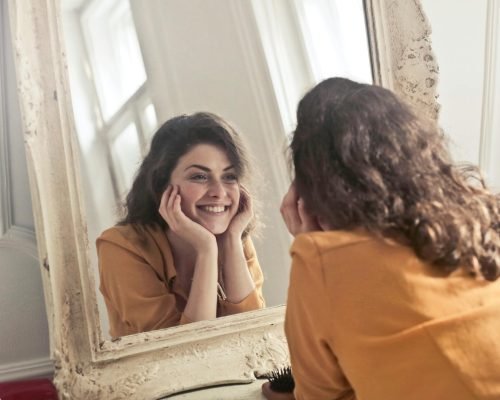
(227, 350)
(133, 65)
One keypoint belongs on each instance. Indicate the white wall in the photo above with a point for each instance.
(465, 39)
(24, 342)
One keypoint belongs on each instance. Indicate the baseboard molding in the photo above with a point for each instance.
(37, 368)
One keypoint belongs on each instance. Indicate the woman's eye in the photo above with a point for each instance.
(198, 178)
(231, 178)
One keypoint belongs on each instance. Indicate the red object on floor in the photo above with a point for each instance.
(34, 389)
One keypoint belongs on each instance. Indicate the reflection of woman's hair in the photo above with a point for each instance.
(364, 159)
(172, 140)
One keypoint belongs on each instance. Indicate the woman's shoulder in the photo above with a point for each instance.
(130, 235)
(320, 242)
(121, 232)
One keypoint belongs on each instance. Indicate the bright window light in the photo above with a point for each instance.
(126, 156)
(336, 38)
(114, 53)
(149, 120)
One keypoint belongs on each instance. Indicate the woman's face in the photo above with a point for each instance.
(209, 188)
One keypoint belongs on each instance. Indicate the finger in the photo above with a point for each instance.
(291, 223)
(291, 197)
(245, 201)
(172, 214)
(176, 208)
(289, 206)
(249, 205)
(171, 197)
(290, 211)
(244, 190)
(291, 217)
(176, 204)
(164, 200)
(164, 197)
(325, 226)
(308, 222)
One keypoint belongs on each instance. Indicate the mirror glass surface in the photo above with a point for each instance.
(134, 64)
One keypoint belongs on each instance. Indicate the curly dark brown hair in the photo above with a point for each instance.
(171, 141)
(363, 158)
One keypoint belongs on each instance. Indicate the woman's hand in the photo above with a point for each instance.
(243, 216)
(190, 231)
(296, 218)
(238, 282)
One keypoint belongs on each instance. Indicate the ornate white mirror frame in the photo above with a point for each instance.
(153, 364)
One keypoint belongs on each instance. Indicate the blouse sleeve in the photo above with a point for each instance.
(255, 300)
(137, 299)
(315, 368)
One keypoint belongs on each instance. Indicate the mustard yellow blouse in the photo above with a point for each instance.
(137, 281)
(367, 320)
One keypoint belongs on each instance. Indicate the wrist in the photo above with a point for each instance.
(207, 246)
(229, 241)
(232, 236)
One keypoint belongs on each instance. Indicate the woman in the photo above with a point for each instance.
(393, 291)
(183, 252)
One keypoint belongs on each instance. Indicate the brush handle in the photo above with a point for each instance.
(270, 394)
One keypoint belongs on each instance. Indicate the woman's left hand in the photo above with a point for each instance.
(243, 216)
(296, 218)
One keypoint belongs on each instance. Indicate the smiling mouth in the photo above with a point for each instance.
(214, 209)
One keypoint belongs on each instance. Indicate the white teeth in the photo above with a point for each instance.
(214, 209)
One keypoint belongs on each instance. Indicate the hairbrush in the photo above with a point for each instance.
(281, 380)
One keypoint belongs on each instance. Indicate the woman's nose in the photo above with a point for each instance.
(216, 189)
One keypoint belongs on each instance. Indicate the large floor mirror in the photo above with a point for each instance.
(97, 77)
(159, 59)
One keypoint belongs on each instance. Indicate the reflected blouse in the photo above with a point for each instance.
(138, 281)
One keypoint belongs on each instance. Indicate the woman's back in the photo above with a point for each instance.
(369, 317)
(388, 325)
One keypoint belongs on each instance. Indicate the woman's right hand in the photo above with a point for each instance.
(190, 231)
(295, 215)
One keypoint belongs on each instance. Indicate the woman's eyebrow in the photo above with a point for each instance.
(206, 169)
(202, 167)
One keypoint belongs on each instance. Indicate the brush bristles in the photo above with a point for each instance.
(281, 380)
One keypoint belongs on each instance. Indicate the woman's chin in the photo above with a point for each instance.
(216, 230)
(215, 225)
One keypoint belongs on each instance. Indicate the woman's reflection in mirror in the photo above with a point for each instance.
(183, 251)
(393, 289)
